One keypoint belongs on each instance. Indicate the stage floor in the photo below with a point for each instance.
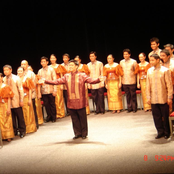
(116, 143)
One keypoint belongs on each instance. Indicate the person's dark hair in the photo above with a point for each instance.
(20, 67)
(154, 39)
(53, 55)
(93, 52)
(43, 57)
(74, 61)
(169, 45)
(127, 50)
(111, 55)
(155, 56)
(7, 66)
(77, 56)
(166, 52)
(143, 54)
(1, 75)
(66, 54)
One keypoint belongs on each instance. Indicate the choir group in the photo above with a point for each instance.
(63, 88)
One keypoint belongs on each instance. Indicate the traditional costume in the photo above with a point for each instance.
(97, 90)
(47, 92)
(170, 65)
(129, 82)
(17, 115)
(114, 93)
(28, 111)
(59, 100)
(84, 68)
(141, 70)
(159, 89)
(30, 74)
(77, 101)
(6, 124)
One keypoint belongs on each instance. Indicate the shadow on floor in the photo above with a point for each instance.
(75, 142)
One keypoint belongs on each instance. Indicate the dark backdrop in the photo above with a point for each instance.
(32, 29)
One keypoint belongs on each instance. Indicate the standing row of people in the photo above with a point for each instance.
(25, 94)
(25, 107)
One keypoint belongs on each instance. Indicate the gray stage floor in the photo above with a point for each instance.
(117, 143)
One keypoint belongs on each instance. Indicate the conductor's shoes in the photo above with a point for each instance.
(76, 137)
(129, 110)
(84, 137)
(159, 136)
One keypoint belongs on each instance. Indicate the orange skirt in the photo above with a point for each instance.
(6, 124)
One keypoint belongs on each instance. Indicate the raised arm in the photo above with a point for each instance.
(90, 80)
(57, 81)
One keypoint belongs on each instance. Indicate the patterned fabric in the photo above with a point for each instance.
(112, 82)
(66, 66)
(154, 52)
(159, 85)
(141, 70)
(96, 70)
(6, 124)
(75, 83)
(16, 85)
(84, 68)
(59, 100)
(49, 74)
(128, 66)
(29, 74)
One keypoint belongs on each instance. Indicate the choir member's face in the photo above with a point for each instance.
(24, 64)
(53, 59)
(77, 59)
(164, 57)
(7, 71)
(72, 67)
(92, 57)
(44, 63)
(20, 72)
(154, 61)
(154, 45)
(126, 55)
(142, 57)
(110, 59)
(65, 59)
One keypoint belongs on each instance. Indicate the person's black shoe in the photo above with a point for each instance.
(166, 136)
(54, 120)
(159, 136)
(129, 110)
(47, 119)
(134, 111)
(96, 113)
(84, 137)
(76, 137)
(102, 113)
(22, 135)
